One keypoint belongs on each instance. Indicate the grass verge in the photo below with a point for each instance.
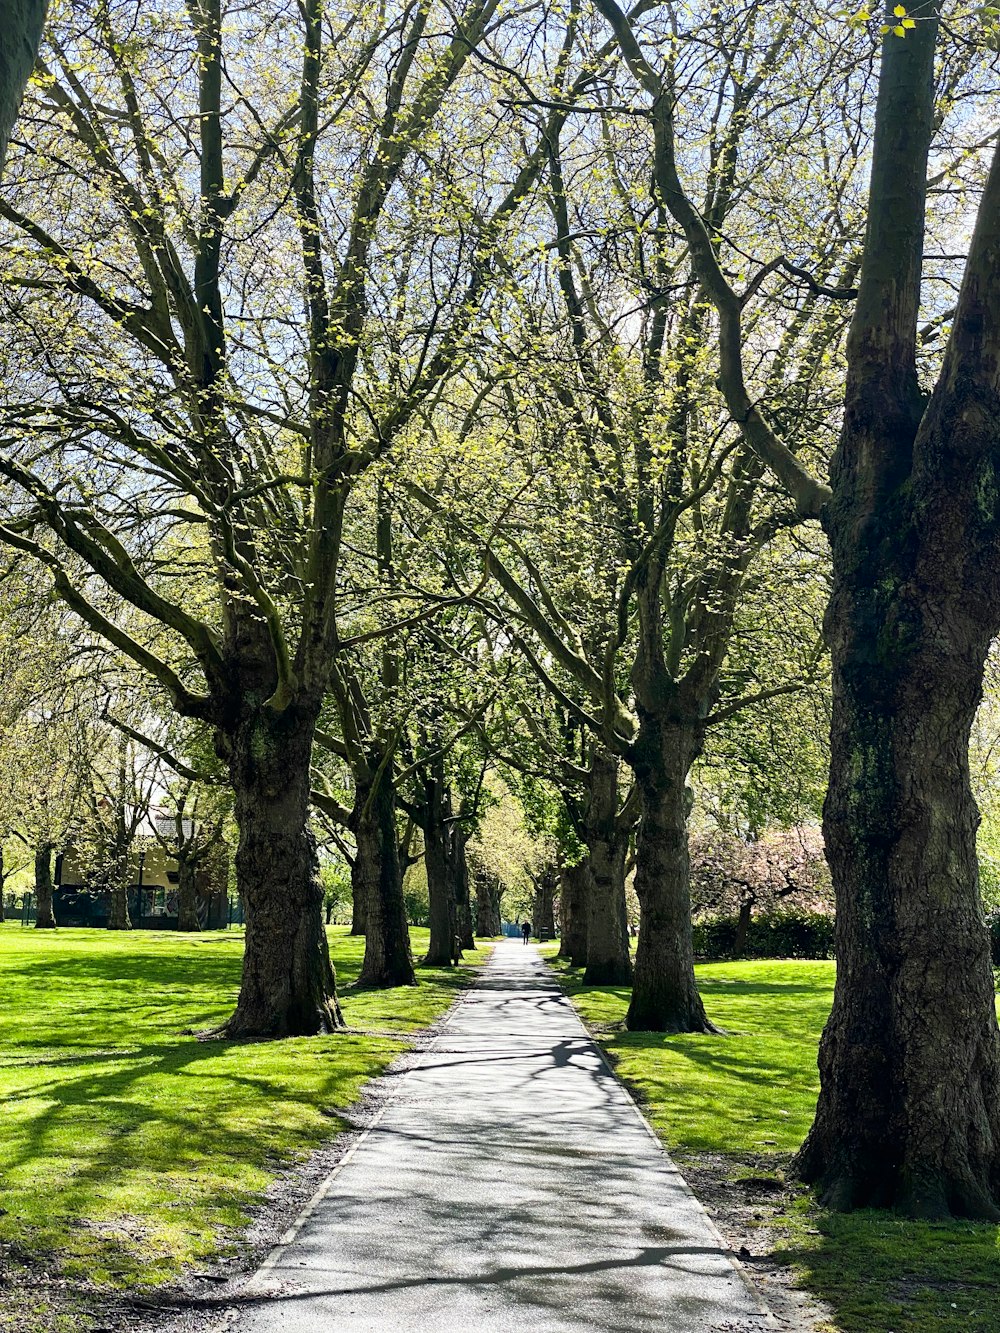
(733, 1108)
(130, 1151)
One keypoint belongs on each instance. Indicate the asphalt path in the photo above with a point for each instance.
(510, 1183)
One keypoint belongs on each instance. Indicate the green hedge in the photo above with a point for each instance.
(786, 934)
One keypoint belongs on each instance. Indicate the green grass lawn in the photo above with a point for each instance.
(129, 1150)
(749, 1095)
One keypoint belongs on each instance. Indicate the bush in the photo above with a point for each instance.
(787, 934)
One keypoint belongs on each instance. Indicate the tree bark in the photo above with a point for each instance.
(44, 916)
(608, 959)
(23, 21)
(912, 1118)
(460, 879)
(377, 881)
(119, 917)
(544, 905)
(575, 894)
(359, 908)
(440, 886)
(664, 993)
(909, 1107)
(187, 894)
(488, 894)
(743, 928)
(288, 987)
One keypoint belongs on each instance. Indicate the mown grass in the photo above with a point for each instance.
(751, 1092)
(129, 1150)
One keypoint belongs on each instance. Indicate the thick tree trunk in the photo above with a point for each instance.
(3, 885)
(664, 993)
(288, 987)
(909, 1110)
(359, 908)
(487, 907)
(187, 895)
(608, 960)
(743, 928)
(378, 883)
(544, 907)
(23, 21)
(119, 917)
(44, 916)
(575, 895)
(440, 887)
(460, 879)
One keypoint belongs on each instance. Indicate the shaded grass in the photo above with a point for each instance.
(748, 1096)
(751, 1089)
(129, 1150)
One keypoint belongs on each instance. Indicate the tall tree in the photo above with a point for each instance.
(223, 435)
(909, 1113)
(645, 518)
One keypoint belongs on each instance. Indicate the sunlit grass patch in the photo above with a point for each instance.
(131, 1150)
(750, 1093)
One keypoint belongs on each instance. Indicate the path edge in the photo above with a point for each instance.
(251, 1288)
(767, 1314)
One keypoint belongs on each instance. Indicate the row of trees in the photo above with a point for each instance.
(412, 390)
(74, 781)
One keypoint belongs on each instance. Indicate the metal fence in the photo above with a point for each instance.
(23, 910)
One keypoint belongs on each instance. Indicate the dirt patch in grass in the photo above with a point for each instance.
(748, 1198)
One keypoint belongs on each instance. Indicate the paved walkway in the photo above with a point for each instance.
(509, 1185)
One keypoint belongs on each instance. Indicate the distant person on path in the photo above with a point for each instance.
(526, 931)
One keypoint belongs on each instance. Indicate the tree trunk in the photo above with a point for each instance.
(743, 928)
(909, 1107)
(377, 881)
(119, 917)
(460, 878)
(288, 987)
(23, 21)
(3, 885)
(187, 894)
(608, 960)
(912, 1118)
(575, 893)
(544, 908)
(664, 994)
(488, 923)
(359, 908)
(44, 916)
(440, 886)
